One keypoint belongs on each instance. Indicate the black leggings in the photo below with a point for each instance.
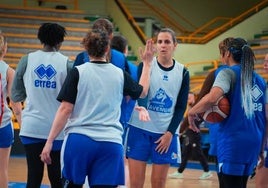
(36, 166)
(230, 181)
(192, 145)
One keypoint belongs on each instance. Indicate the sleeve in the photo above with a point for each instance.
(68, 91)
(18, 92)
(181, 104)
(131, 87)
(70, 65)
(224, 80)
(141, 101)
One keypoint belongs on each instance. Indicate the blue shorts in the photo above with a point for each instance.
(236, 169)
(6, 136)
(102, 162)
(141, 146)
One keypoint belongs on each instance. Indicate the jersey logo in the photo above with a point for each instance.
(45, 74)
(43, 71)
(165, 77)
(256, 93)
(161, 102)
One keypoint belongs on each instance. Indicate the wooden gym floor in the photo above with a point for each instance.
(18, 173)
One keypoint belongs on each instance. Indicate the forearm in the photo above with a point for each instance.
(60, 120)
(16, 108)
(145, 80)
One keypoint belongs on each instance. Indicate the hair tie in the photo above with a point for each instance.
(245, 45)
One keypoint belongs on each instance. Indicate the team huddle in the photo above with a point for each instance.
(89, 119)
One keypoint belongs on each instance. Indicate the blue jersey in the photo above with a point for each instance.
(128, 103)
(240, 138)
(117, 58)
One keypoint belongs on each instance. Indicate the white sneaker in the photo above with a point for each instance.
(205, 175)
(176, 175)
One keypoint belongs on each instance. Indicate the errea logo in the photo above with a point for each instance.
(43, 71)
(45, 74)
(256, 94)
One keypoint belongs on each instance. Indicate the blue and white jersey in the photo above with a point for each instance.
(5, 112)
(162, 98)
(43, 79)
(240, 138)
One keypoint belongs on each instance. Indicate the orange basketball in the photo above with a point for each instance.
(218, 112)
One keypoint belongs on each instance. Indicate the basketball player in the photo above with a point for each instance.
(207, 85)
(262, 169)
(166, 104)
(115, 56)
(38, 80)
(6, 127)
(90, 109)
(237, 152)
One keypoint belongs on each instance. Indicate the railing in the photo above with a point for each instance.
(192, 38)
(215, 63)
(74, 3)
(131, 20)
(196, 81)
(200, 35)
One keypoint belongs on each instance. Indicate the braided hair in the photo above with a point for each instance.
(51, 34)
(243, 55)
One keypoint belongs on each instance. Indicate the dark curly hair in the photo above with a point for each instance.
(51, 34)
(96, 42)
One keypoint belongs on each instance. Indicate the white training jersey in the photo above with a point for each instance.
(5, 111)
(162, 98)
(43, 79)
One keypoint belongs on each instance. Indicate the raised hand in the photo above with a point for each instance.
(147, 54)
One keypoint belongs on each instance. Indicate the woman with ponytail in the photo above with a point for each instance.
(241, 134)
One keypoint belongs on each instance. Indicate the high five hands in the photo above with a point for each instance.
(148, 53)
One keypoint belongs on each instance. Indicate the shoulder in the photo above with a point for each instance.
(260, 78)
(118, 59)
(22, 63)
(115, 52)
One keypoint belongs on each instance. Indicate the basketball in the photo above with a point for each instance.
(218, 112)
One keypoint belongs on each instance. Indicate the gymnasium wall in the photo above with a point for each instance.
(185, 53)
(255, 24)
